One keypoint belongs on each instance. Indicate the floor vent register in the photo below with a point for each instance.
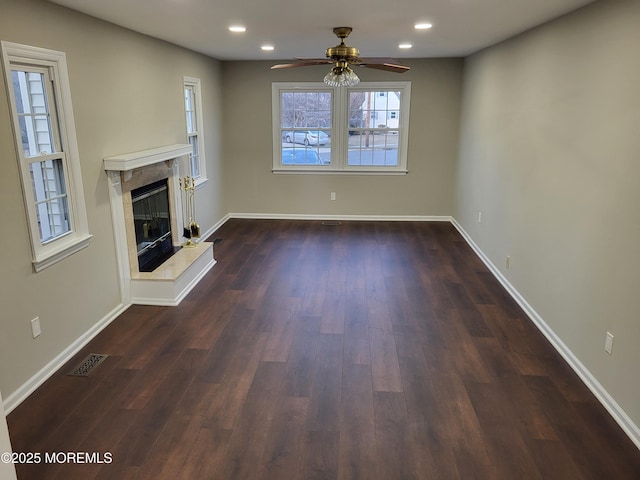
(88, 365)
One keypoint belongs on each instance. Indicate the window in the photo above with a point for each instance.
(361, 129)
(38, 90)
(305, 127)
(195, 137)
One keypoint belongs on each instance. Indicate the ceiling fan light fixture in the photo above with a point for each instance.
(341, 76)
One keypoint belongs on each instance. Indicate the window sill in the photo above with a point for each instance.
(64, 250)
(324, 171)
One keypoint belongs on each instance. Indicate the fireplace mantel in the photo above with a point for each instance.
(130, 161)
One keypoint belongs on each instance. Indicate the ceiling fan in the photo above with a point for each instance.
(342, 57)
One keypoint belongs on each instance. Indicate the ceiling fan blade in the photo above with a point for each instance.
(370, 60)
(389, 67)
(316, 61)
(292, 65)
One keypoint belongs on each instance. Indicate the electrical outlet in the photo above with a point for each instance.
(480, 217)
(333, 195)
(608, 343)
(35, 327)
(507, 262)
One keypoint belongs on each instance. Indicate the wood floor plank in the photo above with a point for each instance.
(395, 454)
(384, 362)
(320, 455)
(552, 459)
(357, 454)
(283, 323)
(463, 432)
(283, 452)
(326, 389)
(174, 445)
(430, 426)
(467, 360)
(356, 327)
(333, 313)
(248, 441)
(378, 305)
(213, 321)
(225, 407)
(206, 454)
(300, 365)
(507, 448)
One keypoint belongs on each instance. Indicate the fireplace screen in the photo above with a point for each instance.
(152, 220)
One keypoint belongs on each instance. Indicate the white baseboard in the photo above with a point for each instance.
(371, 218)
(17, 397)
(212, 230)
(618, 414)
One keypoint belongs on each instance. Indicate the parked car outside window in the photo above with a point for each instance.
(306, 137)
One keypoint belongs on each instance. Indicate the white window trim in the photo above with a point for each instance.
(46, 254)
(339, 129)
(195, 83)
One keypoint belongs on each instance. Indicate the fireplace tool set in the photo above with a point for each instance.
(191, 227)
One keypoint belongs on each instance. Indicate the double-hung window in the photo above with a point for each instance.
(195, 137)
(38, 89)
(360, 129)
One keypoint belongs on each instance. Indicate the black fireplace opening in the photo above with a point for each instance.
(152, 221)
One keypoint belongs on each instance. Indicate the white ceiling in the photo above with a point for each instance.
(304, 28)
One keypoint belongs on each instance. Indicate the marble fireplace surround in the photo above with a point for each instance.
(174, 279)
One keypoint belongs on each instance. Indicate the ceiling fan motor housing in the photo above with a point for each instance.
(342, 51)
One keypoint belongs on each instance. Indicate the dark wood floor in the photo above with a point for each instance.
(369, 350)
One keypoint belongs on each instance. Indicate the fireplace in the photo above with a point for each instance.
(152, 225)
(146, 208)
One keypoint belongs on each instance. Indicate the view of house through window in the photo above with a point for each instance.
(41, 148)
(374, 124)
(362, 128)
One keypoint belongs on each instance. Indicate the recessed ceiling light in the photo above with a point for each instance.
(423, 26)
(267, 48)
(405, 45)
(237, 28)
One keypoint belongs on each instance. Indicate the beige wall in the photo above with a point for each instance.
(426, 190)
(550, 153)
(127, 96)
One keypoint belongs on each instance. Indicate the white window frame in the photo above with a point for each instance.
(194, 84)
(47, 253)
(340, 128)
